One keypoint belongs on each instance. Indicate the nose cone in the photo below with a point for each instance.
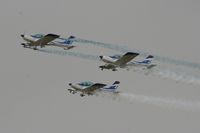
(70, 84)
(22, 35)
(101, 57)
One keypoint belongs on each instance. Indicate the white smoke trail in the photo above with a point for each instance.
(179, 77)
(69, 53)
(104, 45)
(163, 72)
(171, 73)
(157, 101)
(124, 49)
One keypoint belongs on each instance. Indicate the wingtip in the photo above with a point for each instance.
(132, 53)
(53, 35)
(100, 84)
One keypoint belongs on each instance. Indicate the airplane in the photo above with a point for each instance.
(32, 41)
(112, 62)
(124, 61)
(90, 88)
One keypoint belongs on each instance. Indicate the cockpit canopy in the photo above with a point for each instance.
(86, 83)
(38, 35)
(115, 56)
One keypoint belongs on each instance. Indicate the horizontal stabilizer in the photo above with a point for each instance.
(149, 57)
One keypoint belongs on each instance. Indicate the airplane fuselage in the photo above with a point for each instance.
(144, 64)
(108, 59)
(29, 39)
(110, 63)
(77, 87)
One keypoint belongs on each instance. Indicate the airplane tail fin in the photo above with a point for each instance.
(70, 40)
(113, 87)
(116, 83)
(148, 59)
(71, 37)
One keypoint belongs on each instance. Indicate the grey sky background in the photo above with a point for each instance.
(33, 96)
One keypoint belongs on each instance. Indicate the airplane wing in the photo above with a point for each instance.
(126, 58)
(46, 39)
(94, 87)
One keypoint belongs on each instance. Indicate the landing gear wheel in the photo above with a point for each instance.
(70, 91)
(82, 95)
(23, 44)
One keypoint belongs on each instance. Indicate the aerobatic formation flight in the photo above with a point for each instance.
(112, 62)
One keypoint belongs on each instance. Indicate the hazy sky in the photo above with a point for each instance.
(33, 95)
